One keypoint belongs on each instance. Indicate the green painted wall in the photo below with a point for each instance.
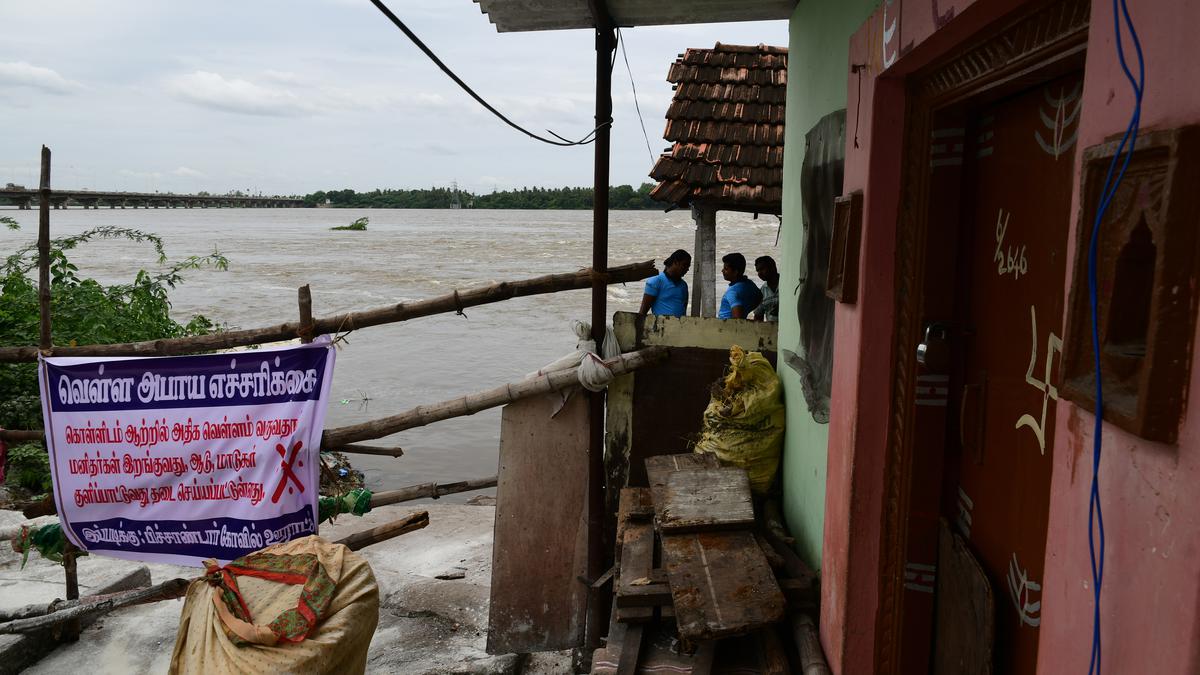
(818, 58)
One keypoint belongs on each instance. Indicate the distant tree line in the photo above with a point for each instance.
(619, 197)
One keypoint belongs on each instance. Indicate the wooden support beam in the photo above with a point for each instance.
(812, 657)
(44, 344)
(37, 617)
(341, 323)
(304, 298)
(430, 491)
(409, 523)
(470, 404)
(355, 449)
(560, 380)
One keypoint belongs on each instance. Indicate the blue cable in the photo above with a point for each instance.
(1095, 513)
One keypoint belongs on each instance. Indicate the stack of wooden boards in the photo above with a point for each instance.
(691, 566)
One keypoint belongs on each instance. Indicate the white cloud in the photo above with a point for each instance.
(188, 173)
(20, 73)
(213, 90)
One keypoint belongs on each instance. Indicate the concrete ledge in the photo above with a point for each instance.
(18, 652)
(694, 331)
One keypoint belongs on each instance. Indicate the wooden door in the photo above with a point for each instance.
(1016, 195)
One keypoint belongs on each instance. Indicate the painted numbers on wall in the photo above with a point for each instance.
(1010, 259)
(1049, 391)
(1022, 589)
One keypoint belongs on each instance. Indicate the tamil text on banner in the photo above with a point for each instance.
(180, 459)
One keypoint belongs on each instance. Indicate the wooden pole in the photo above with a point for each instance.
(409, 523)
(430, 490)
(598, 549)
(306, 317)
(38, 617)
(356, 449)
(470, 404)
(71, 630)
(346, 322)
(812, 657)
(44, 344)
(343, 438)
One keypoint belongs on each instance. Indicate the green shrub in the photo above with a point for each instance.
(83, 311)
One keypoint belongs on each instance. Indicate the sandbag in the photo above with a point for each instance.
(328, 630)
(744, 421)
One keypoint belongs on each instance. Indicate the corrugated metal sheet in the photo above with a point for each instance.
(529, 15)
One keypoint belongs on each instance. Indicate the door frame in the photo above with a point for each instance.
(1037, 43)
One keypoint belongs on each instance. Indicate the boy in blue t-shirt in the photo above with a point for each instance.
(742, 296)
(667, 293)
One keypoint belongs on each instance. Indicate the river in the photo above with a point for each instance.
(404, 255)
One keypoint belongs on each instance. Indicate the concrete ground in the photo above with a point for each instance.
(426, 625)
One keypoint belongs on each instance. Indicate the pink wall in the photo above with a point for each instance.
(853, 496)
(1151, 492)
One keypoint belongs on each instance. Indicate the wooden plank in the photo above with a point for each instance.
(637, 559)
(966, 610)
(540, 542)
(635, 504)
(772, 659)
(721, 584)
(658, 468)
(706, 499)
(631, 647)
(650, 595)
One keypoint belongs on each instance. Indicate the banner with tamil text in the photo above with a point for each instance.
(180, 459)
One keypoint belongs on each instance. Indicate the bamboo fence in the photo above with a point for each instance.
(68, 613)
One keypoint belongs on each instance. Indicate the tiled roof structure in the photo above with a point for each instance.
(726, 126)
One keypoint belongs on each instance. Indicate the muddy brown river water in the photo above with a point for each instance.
(404, 255)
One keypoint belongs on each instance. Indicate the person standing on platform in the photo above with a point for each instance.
(769, 273)
(667, 293)
(742, 296)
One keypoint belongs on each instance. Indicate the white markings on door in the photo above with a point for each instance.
(1060, 140)
(1009, 259)
(1022, 589)
(965, 506)
(932, 390)
(919, 577)
(1049, 391)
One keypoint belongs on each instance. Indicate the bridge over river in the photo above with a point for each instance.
(24, 198)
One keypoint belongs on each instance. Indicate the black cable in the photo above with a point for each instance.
(450, 73)
(621, 41)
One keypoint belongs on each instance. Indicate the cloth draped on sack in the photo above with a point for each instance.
(319, 599)
(744, 421)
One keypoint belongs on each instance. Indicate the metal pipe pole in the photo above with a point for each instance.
(598, 549)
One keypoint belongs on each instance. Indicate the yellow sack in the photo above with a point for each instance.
(743, 424)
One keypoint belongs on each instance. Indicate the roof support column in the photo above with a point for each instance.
(704, 268)
(599, 549)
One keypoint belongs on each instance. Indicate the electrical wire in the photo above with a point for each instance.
(1126, 146)
(465, 87)
(621, 41)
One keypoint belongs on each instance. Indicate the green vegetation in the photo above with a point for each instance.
(619, 197)
(83, 311)
(359, 225)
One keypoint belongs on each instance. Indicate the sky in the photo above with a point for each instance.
(294, 96)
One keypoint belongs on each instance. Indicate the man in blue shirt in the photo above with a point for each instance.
(667, 293)
(742, 295)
